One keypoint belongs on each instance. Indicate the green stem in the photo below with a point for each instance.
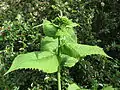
(58, 73)
(59, 78)
(59, 53)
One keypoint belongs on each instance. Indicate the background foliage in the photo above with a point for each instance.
(99, 25)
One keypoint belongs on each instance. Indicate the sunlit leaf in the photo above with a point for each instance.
(80, 50)
(45, 61)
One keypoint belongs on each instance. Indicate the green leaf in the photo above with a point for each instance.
(73, 87)
(72, 25)
(64, 21)
(49, 44)
(67, 34)
(108, 88)
(49, 28)
(81, 50)
(71, 33)
(68, 61)
(45, 61)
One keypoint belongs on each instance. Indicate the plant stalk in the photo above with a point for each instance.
(58, 73)
(59, 53)
(59, 78)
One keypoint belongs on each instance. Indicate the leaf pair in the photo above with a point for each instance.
(47, 59)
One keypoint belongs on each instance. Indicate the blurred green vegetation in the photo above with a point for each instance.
(99, 22)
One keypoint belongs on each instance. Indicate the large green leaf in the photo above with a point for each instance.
(68, 61)
(49, 28)
(45, 61)
(49, 44)
(81, 50)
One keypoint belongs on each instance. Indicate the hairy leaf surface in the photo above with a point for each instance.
(80, 50)
(45, 61)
